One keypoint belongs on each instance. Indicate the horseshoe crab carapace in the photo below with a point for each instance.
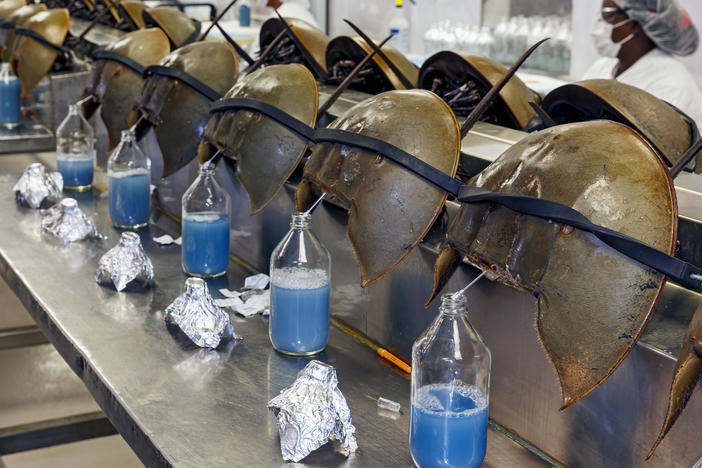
(32, 60)
(593, 302)
(287, 51)
(667, 129)
(345, 52)
(390, 209)
(178, 112)
(114, 86)
(265, 152)
(462, 81)
(17, 17)
(179, 28)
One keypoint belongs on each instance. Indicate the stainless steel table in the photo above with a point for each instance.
(176, 404)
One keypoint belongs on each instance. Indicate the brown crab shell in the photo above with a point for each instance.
(266, 153)
(19, 16)
(355, 48)
(688, 371)
(134, 11)
(176, 24)
(32, 60)
(390, 209)
(593, 302)
(178, 112)
(7, 7)
(115, 87)
(665, 128)
(312, 38)
(513, 100)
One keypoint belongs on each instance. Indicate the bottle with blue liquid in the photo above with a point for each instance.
(10, 90)
(129, 184)
(300, 279)
(450, 385)
(75, 150)
(205, 213)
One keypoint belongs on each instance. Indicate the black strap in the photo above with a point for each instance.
(680, 271)
(7, 24)
(184, 77)
(42, 40)
(677, 269)
(242, 53)
(399, 156)
(121, 59)
(193, 36)
(304, 131)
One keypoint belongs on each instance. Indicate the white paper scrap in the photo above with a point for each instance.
(259, 281)
(167, 240)
(231, 302)
(256, 304)
(229, 293)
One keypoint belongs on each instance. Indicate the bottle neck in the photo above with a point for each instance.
(451, 305)
(301, 221)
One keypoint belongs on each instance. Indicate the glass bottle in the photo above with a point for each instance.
(300, 278)
(205, 212)
(450, 385)
(129, 183)
(75, 150)
(10, 90)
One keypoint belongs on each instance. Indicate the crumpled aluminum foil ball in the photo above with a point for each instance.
(125, 263)
(311, 412)
(36, 188)
(66, 221)
(196, 314)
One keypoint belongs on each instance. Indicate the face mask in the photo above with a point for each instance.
(602, 38)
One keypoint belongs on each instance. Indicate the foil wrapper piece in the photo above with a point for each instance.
(196, 314)
(36, 188)
(311, 412)
(259, 281)
(66, 221)
(125, 263)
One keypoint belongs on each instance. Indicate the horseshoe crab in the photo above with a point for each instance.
(266, 153)
(17, 17)
(114, 86)
(668, 130)
(179, 28)
(593, 302)
(286, 51)
(462, 80)
(31, 60)
(345, 52)
(178, 112)
(359, 179)
(133, 12)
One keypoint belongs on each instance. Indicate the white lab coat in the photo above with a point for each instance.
(660, 74)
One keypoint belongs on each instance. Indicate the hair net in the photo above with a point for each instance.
(666, 23)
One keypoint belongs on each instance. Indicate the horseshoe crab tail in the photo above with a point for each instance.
(688, 372)
(446, 263)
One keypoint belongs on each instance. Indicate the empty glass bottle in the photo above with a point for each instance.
(10, 115)
(75, 150)
(300, 280)
(206, 210)
(450, 385)
(129, 184)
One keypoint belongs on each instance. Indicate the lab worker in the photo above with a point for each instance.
(299, 9)
(637, 39)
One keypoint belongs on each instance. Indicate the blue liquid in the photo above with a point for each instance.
(244, 16)
(205, 243)
(299, 320)
(75, 172)
(448, 428)
(10, 102)
(130, 198)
